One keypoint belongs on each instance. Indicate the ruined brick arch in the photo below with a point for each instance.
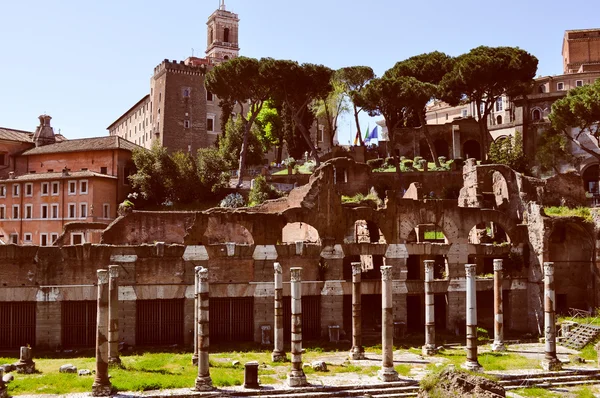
(408, 221)
(374, 221)
(223, 231)
(478, 216)
(299, 231)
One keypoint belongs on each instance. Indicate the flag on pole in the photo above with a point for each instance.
(366, 139)
(373, 134)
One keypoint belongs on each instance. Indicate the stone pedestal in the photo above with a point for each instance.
(357, 351)
(429, 348)
(113, 315)
(498, 345)
(296, 378)
(278, 354)
(251, 375)
(203, 380)
(387, 372)
(25, 364)
(102, 386)
(550, 361)
(472, 362)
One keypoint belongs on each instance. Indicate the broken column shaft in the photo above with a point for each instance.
(471, 363)
(102, 386)
(203, 380)
(278, 354)
(498, 344)
(550, 361)
(357, 351)
(113, 315)
(429, 348)
(296, 378)
(387, 372)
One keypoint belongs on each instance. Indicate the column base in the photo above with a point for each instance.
(472, 366)
(278, 356)
(357, 353)
(551, 365)
(114, 361)
(498, 347)
(388, 374)
(25, 367)
(203, 383)
(297, 378)
(101, 390)
(195, 359)
(429, 350)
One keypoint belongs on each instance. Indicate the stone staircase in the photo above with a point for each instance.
(580, 336)
(565, 378)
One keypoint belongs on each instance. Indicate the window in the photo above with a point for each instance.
(83, 187)
(209, 96)
(2, 212)
(106, 210)
(55, 210)
(103, 170)
(72, 210)
(14, 239)
(320, 134)
(186, 124)
(16, 190)
(210, 124)
(542, 88)
(43, 239)
(28, 212)
(186, 92)
(55, 188)
(465, 113)
(45, 189)
(72, 187)
(15, 212)
(27, 237)
(29, 189)
(44, 211)
(498, 119)
(53, 238)
(77, 238)
(482, 107)
(498, 104)
(536, 115)
(2, 191)
(226, 35)
(579, 83)
(126, 174)
(83, 210)
(560, 86)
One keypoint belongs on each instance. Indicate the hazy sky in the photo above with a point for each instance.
(86, 62)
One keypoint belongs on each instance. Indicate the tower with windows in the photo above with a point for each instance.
(222, 35)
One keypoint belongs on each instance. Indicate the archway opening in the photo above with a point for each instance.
(218, 232)
(472, 149)
(427, 233)
(299, 232)
(488, 233)
(536, 115)
(364, 231)
(441, 147)
(498, 119)
(590, 179)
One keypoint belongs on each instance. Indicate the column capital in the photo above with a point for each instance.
(548, 268)
(277, 268)
(429, 264)
(356, 268)
(113, 271)
(296, 274)
(386, 273)
(102, 276)
(498, 262)
(470, 270)
(202, 274)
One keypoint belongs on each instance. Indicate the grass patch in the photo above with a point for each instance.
(303, 169)
(435, 235)
(584, 392)
(506, 361)
(359, 198)
(403, 370)
(536, 392)
(563, 211)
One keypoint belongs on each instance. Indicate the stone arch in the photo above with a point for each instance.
(474, 217)
(536, 114)
(442, 148)
(223, 231)
(440, 219)
(488, 232)
(364, 231)
(472, 149)
(299, 231)
(589, 175)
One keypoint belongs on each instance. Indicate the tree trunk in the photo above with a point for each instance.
(329, 124)
(306, 135)
(279, 153)
(244, 149)
(360, 139)
(428, 139)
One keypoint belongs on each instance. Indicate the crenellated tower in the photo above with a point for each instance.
(222, 35)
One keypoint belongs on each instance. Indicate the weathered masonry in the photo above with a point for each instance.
(47, 294)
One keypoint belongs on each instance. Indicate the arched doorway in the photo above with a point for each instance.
(441, 147)
(590, 179)
(472, 149)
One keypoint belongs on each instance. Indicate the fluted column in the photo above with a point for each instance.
(357, 351)
(102, 386)
(429, 348)
(472, 362)
(203, 380)
(387, 372)
(113, 315)
(278, 354)
(196, 311)
(550, 361)
(498, 344)
(296, 378)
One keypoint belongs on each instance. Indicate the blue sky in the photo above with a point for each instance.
(86, 62)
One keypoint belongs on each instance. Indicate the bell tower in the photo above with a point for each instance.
(222, 35)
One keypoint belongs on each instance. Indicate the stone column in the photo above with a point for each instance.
(387, 372)
(203, 381)
(296, 378)
(196, 311)
(102, 386)
(498, 344)
(357, 351)
(471, 363)
(550, 361)
(25, 364)
(278, 354)
(429, 348)
(113, 315)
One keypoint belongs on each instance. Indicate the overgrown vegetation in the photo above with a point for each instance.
(509, 151)
(563, 211)
(370, 199)
(262, 191)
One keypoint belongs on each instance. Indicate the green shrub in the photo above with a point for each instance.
(375, 163)
(417, 159)
(442, 159)
(233, 201)
(262, 191)
(290, 162)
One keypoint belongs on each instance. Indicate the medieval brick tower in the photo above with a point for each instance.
(222, 35)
